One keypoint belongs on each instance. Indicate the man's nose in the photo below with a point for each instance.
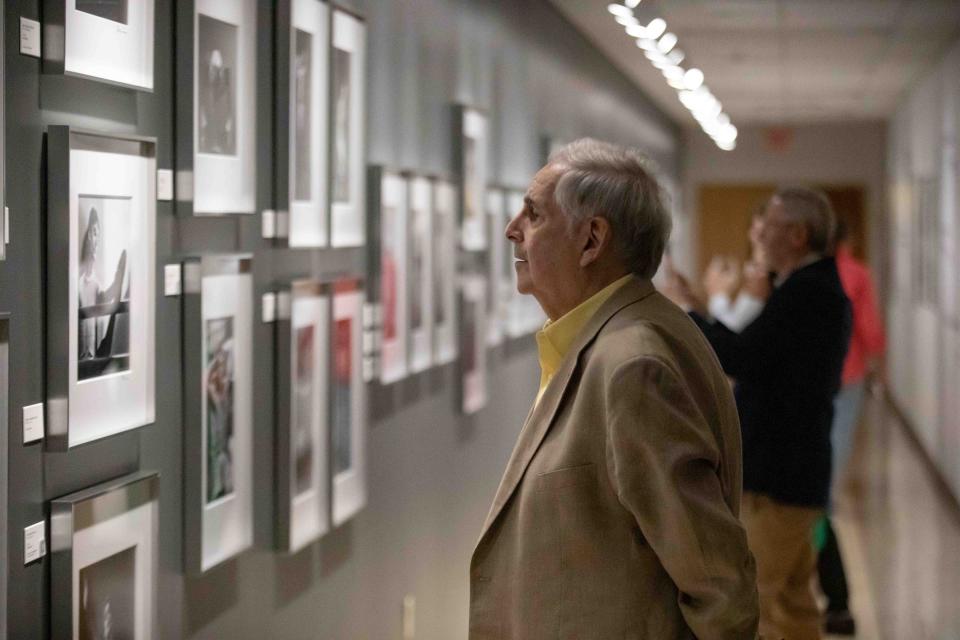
(512, 230)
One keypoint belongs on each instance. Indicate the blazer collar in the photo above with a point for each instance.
(541, 416)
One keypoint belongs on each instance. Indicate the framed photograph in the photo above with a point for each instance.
(4, 449)
(217, 108)
(392, 270)
(471, 158)
(348, 109)
(101, 225)
(348, 420)
(3, 155)
(473, 348)
(103, 560)
(218, 317)
(106, 40)
(420, 274)
(306, 119)
(302, 335)
(444, 270)
(496, 301)
(516, 324)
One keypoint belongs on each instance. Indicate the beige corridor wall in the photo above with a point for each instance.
(829, 153)
(923, 175)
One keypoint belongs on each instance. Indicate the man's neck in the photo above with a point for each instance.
(798, 262)
(585, 290)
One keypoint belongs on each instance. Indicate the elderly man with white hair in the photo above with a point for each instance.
(617, 514)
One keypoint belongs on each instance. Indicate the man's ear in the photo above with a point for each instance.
(800, 236)
(595, 239)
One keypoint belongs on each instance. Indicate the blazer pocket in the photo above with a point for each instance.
(567, 476)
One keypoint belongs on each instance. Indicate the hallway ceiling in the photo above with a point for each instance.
(784, 61)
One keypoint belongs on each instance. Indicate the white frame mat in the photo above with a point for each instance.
(473, 179)
(118, 175)
(347, 224)
(421, 224)
(309, 216)
(393, 239)
(496, 217)
(226, 183)
(309, 517)
(228, 521)
(445, 271)
(349, 486)
(473, 380)
(83, 44)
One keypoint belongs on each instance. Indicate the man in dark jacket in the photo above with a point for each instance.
(787, 366)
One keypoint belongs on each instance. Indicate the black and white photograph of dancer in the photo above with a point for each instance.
(103, 287)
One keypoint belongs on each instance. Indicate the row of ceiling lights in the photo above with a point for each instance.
(660, 48)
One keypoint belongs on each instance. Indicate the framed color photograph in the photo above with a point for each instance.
(473, 348)
(101, 221)
(420, 274)
(393, 276)
(348, 421)
(4, 453)
(347, 105)
(471, 158)
(516, 324)
(218, 405)
(3, 156)
(496, 296)
(104, 571)
(303, 358)
(106, 40)
(216, 62)
(308, 122)
(444, 272)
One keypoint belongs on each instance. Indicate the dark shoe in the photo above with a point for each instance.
(839, 623)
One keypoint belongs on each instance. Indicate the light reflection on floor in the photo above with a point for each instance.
(900, 537)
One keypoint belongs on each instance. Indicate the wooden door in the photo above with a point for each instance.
(725, 211)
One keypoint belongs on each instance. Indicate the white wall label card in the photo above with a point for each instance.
(171, 279)
(268, 223)
(268, 307)
(33, 423)
(29, 37)
(165, 185)
(34, 542)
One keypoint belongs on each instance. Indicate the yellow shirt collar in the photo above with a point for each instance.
(555, 339)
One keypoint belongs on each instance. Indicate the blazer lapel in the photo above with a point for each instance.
(541, 416)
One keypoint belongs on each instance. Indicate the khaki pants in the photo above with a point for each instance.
(781, 539)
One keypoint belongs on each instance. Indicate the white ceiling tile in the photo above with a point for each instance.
(936, 15)
(840, 15)
(726, 15)
(783, 60)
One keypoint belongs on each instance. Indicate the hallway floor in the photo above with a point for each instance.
(899, 535)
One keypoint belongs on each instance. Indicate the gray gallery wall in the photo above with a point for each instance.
(432, 472)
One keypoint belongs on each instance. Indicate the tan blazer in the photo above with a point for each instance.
(616, 517)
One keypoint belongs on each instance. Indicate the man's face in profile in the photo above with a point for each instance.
(779, 235)
(546, 251)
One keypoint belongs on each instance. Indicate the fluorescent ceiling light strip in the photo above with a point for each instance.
(660, 48)
(619, 10)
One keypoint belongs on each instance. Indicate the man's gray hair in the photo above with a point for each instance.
(615, 183)
(812, 209)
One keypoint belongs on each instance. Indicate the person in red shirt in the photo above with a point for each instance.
(867, 344)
